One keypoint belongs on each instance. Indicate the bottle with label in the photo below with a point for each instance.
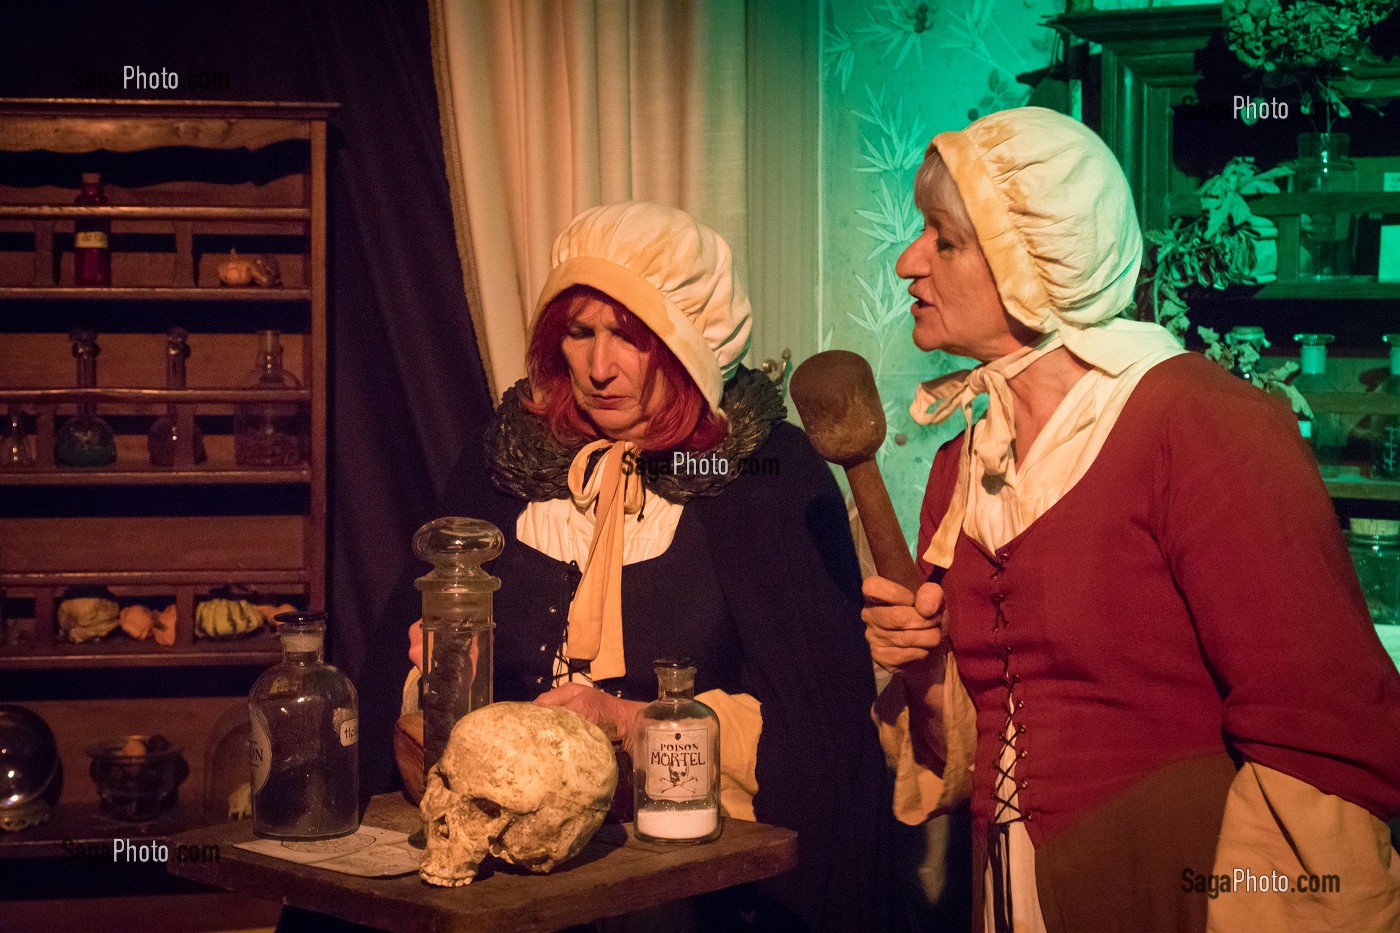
(92, 253)
(304, 745)
(269, 434)
(1385, 449)
(1324, 429)
(85, 440)
(676, 766)
(164, 436)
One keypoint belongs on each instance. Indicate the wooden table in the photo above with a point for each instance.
(615, 874)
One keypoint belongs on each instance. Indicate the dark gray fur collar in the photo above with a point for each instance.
(526, 461)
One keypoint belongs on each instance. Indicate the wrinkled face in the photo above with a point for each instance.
(956, 304)
(608, 373)
(526, 783)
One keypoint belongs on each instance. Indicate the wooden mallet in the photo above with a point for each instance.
(835, 393)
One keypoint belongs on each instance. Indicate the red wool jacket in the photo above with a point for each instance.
(1190, 597)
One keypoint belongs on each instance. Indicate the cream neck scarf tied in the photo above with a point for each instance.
(614, 489)
(993, 443)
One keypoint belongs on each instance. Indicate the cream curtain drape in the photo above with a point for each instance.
(552, 106)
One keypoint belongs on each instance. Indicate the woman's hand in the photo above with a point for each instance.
(904, 630)
(614, 715)
(415, 644)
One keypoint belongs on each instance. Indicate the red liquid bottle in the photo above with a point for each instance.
(92, 254)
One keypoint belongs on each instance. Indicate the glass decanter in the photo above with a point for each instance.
(18, 449)
(268, 434)
(164, 437)
(457, 624)
(85, 440)
(675, 782)
(1324, 430)
(1385, 449)
(303, 750)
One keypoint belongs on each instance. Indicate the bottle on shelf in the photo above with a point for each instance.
(92, 252)
(1385, 449)
(675, 781)
(1324, 429)
(1375, 552)
(18, 449)
(85, 440)
(303, 748)
(164, 436)
(269, 434)
(1327, 238)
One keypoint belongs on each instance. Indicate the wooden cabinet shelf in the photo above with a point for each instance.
(187, 182)
(1350, 289)
(144, 212)
(1351, 484)
(208, 472)
(153, 396)
(69, 293)
(117, 650)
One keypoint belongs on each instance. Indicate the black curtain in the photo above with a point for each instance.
(407, 385)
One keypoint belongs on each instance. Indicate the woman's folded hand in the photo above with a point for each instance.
(614, 715)
(903, 629)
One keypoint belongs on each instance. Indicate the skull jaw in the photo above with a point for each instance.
(459, 835)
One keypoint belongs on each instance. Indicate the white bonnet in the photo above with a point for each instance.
(671, 271)
(1055, 219)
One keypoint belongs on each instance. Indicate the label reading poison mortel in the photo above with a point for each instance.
(90, 239)
(677, 763)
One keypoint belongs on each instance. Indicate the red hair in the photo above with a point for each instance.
(684, 423)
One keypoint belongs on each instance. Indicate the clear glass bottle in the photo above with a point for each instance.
(1324, 429)
(164, 436)
(269, 434)
(1385, 447)
(1375, 552)
(303, 750)
(676, 762)
(457, 624)
(92, 252)
(85, 440)
(1326, 239)
(18, 448)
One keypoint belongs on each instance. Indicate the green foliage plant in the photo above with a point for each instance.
(1309, 43)
(1222, 244)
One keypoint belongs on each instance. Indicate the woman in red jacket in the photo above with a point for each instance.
(1159, 651)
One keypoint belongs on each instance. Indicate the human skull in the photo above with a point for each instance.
(524, 782)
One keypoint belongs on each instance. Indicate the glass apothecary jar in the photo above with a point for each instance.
(1375, 551)
(676, 769)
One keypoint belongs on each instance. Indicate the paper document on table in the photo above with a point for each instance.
(370, 852)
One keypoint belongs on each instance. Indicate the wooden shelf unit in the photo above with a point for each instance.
(187, 181)
(1150, 78)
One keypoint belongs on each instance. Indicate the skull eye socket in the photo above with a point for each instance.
(489, 807)
(442, 776)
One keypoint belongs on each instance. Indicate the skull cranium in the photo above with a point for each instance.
(524, 782)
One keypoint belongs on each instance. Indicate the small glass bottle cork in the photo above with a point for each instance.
(676, 768)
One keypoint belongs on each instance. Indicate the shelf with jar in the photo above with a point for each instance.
(55, 436)
(194, 252)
